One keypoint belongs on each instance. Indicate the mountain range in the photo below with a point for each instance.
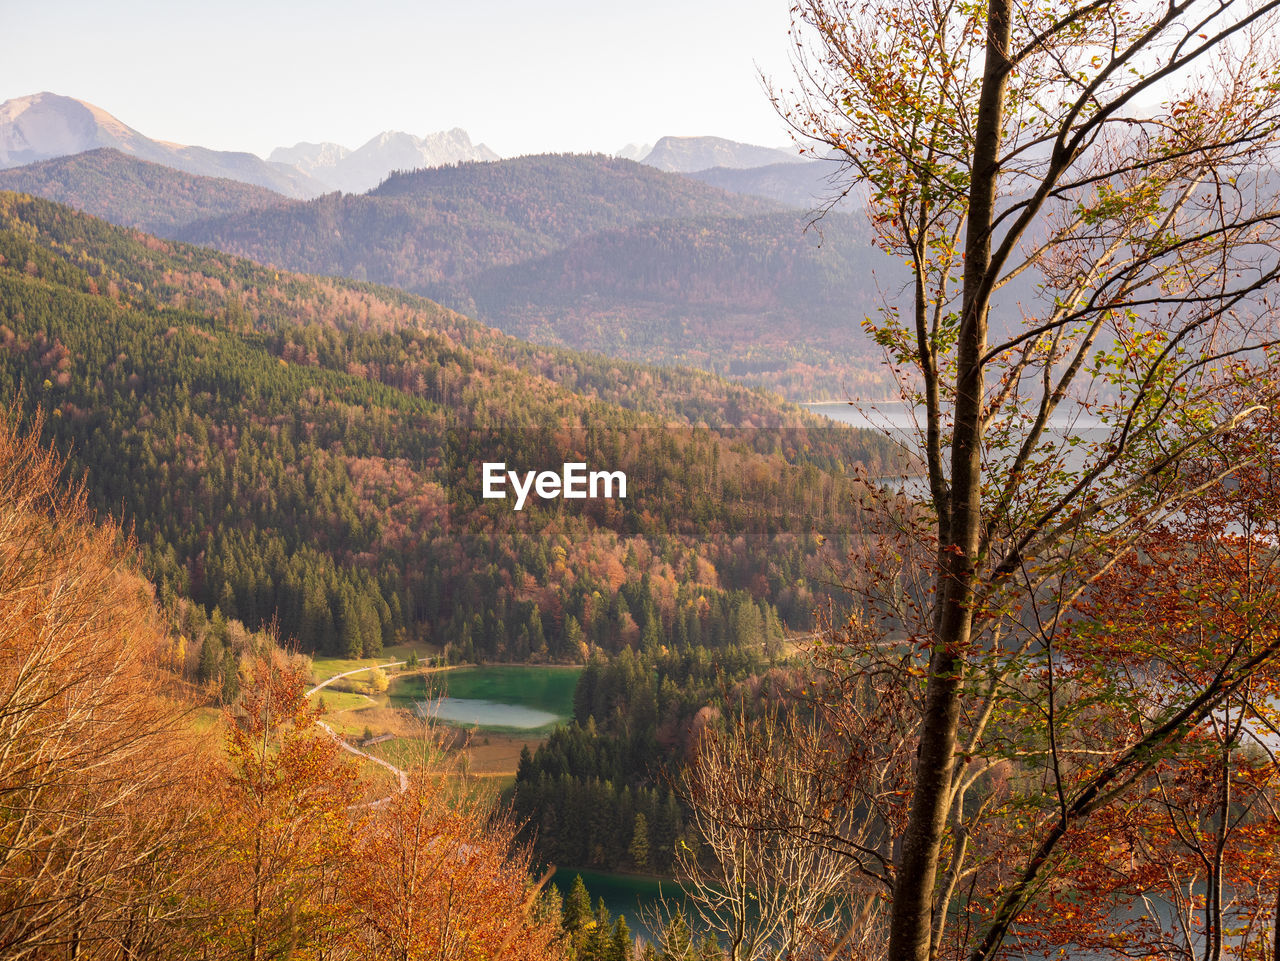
(689, 154)
(807, 186)
(586, 252)
(309, 449)
(136, 193)
(355, 171)
(46, 125)
(598, 253)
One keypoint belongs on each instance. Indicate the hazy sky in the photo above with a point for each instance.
(520, 75)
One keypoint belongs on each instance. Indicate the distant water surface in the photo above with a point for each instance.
(896, 415)
(472, 711)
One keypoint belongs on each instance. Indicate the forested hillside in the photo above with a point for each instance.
(805, 186)
(599, 792)
(135, 193)
(128, 834)
(309, 451)
(724, 294)
(601, 254)
(430, 231)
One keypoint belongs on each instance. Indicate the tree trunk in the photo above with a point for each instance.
(910, 933)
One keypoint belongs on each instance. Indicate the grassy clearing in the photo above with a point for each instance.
(500, 755)
(405, 752)
(491, 757)
(488, 755)
(335, 702)
(205, 720)
(374, 719)
(323, 668)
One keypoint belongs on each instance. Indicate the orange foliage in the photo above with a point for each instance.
(432, 877)
(93, 828)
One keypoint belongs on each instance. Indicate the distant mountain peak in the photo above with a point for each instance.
(309, 157)
(690, 154)
(359, 170)
(45, 126)
(635, 151)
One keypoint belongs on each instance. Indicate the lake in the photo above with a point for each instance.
(476, 712)
(636, 897)
(898, 417)
(899, 420)
(888, 415)
(506, 699)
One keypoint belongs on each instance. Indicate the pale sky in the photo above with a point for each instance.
(523, 77)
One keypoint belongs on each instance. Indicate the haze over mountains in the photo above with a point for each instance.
(597, 253)
(807, 185)
(355, 171)
(135, 193)
(46, 125)
(715, 268)
(688, 154)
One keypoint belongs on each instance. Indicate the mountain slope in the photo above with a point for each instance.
(687, 154)
(432, 230)
(806, 186)
(759, 298)
(601, 254)
(45, 125)
(309, 450)
(135, 193)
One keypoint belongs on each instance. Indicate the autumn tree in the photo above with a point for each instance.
(1080, 193)
(279, 821)
(436, 873)
(1195, 824)
(763, 877)
(96, 824)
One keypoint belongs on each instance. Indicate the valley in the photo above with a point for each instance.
(851, 542)
(660, 262)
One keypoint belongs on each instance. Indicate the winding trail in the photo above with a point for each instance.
(401, 776)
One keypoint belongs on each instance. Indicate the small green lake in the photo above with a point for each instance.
(524, 700)
(638, 898)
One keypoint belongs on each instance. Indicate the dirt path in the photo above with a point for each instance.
(401, 777)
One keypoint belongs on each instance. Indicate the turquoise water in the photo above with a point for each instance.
(639, 899)
(487, 714)
(523, 699)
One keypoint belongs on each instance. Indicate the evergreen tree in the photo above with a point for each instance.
(709, 948)
(350, 642)
(677, 939)
(577, 906)
(230, 676)
(651, 637)
(210, 657)
(620, 942)
(573, 636)
(524, 769)
(639, 847)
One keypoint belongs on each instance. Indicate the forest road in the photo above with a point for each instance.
(401, 776)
